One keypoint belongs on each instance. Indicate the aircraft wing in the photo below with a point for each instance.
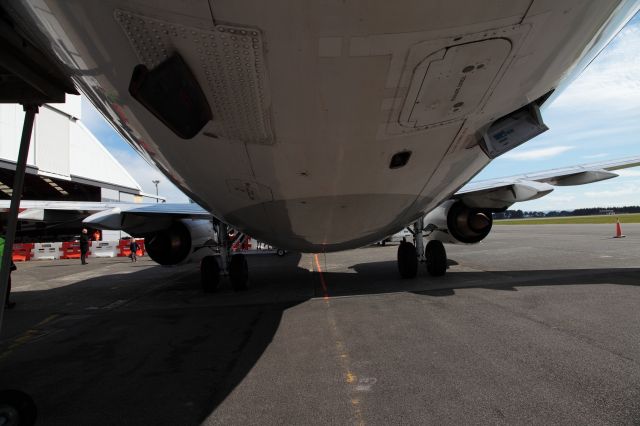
(42, 210)
(502, 192)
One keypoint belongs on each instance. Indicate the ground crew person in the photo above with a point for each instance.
(133, 247)
(84, 246)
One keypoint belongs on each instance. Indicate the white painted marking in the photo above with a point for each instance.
(365, 384)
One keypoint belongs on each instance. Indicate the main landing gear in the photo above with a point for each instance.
(434, 255)
(407, 260)
(436, 258)
(235, 266)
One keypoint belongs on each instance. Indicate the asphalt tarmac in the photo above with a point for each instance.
(536, 325)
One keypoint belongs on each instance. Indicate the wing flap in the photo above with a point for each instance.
(503, 192)
(501, 196)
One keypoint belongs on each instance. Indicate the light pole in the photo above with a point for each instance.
(156, 182)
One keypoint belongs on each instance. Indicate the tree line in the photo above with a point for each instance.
(519, 214)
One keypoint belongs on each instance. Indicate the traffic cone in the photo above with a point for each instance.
(618, 229)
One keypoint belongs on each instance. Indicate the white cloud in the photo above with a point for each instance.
(537, 154)
(595, 156)
(610, 82)
(576, 197)
(622, 191)
(555, 199)
(627, 173)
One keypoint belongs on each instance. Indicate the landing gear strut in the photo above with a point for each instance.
(235, 266)
(16, 407)
(409, 254)
(434, 255)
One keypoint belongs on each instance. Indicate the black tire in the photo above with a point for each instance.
(238, 272)
(407, 260)
(281, 252)
(436, 257)
(210, 274)
(17, 408)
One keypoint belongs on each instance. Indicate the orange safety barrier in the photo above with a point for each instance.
(22, 252)
(123, 248)
(141, 250)
(71, 250)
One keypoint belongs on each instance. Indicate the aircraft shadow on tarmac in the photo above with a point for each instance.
(509, 280)
(171, 358)
(158, 359)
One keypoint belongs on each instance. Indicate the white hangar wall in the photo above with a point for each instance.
(63, 148)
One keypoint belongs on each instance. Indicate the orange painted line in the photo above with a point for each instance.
(322, 282)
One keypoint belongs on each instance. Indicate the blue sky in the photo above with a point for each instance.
(596, 118)
(141, 171)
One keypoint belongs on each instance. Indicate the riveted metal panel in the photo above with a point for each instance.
(227, 61)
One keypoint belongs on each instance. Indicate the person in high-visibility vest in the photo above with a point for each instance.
(7, 301)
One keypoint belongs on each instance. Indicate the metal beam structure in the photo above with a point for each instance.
(12, 220)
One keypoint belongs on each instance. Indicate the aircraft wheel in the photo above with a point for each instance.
(436, 256)
(210, 274)
(239, 272)
(407, 260)
(17, 408)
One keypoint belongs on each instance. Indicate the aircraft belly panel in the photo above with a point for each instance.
(451, 83)
(326, 223)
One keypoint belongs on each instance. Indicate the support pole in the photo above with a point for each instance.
(225, 246)
(12, 221)
(418, 228)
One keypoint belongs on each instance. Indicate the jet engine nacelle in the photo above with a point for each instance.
(180, 242)
(456, 223)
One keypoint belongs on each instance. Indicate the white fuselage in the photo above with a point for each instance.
(311, 99)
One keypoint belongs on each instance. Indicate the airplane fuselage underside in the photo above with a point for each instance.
(311, 100)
